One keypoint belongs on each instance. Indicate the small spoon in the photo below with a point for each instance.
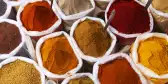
(148, 4)
(110, 19)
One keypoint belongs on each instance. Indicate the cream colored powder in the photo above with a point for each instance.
(161, 5)
(70, 7)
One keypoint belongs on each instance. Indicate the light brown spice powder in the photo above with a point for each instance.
(19, 72)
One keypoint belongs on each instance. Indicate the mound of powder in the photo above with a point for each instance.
(153, 53)
(82, 80)
(19, 72)
(70, 7)
(161, 5)
(58, 56)
(3, 7)
(38, 16)
(130, 17)
(10, 37)
(118, 71)
(91, 38)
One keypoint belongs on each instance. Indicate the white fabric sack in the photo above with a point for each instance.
(50, 82)
(79, 75)
(30, 47)
(38, 33)
(39, 58)
(128, 35)
(74, 16)
(86, 57)
(8, 10)
(156, 11)
(12, 59)
(17, 49)
(160, 17)
(112, 58)
(134, 54)
(102, 4)
(15, 3)
(69, 19)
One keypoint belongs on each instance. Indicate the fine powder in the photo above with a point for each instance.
(38, 16)
(91, 38)
(130, 17)
(70, 7)
(3, 7)
(161, 5)
(118, 71)
(153, 53)
(10, 37)
(82, 80)
(58, 56)
(19, 72)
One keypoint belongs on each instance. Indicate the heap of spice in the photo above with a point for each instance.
(130, 17)
(153, 54)
(38, 16)
(10, 37)
(19, 72)
(91, 38)
(3, 7)
(82, 80)
(161, 5)
(118, 71)
(58, 56)
(70, 7)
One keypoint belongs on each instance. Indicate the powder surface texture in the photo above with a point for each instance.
(10, 37)
(118, 71)
(70, 7)
(3, 7)
(38, 16)
(58, 56)
(82, 80)
(19, 72)
(91, 38)
(130, 17)
(161, 5)
(153, 53)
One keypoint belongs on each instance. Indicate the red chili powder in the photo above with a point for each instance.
(118, 71)
(38, 16)
(130, 17)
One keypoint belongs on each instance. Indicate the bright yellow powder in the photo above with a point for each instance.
(153, 53)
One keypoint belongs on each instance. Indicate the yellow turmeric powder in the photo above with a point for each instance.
(153, 53)
(58, 56)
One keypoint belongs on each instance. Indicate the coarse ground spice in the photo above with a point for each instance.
(153, 53)
(130, 17)
(3, 7)
(38, 16)
(19, 72)
(118, 71)
(82, 80)
(58, 56)
(91, 38)
(10, 37)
